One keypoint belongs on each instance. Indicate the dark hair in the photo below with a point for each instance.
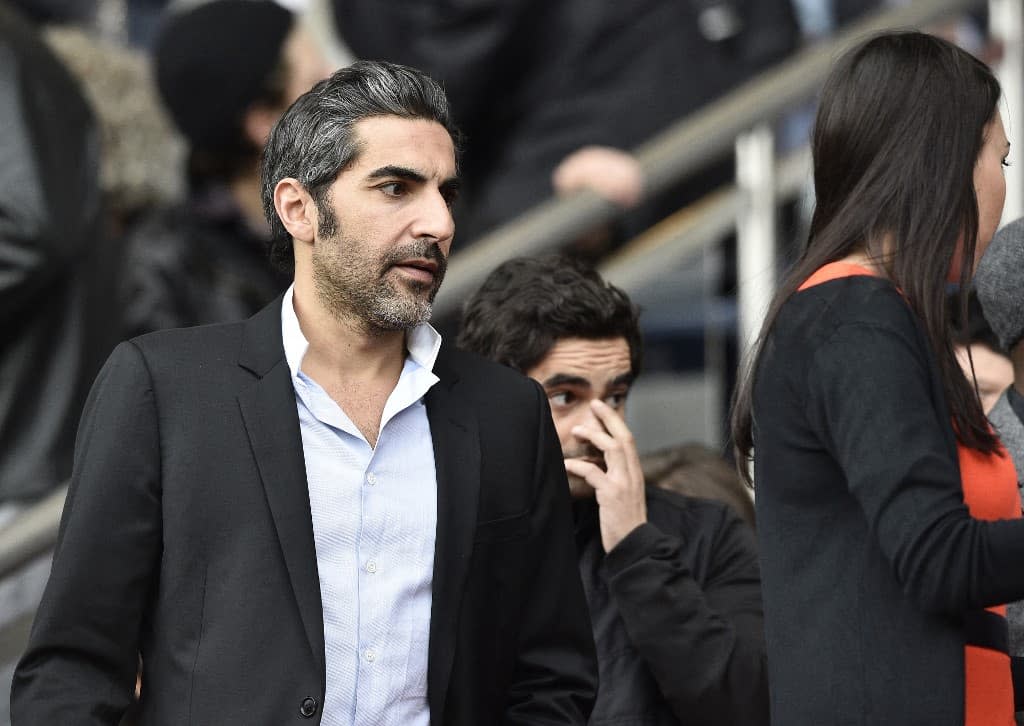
(235, 154)
(528, 304)
(976, 328)
(900, 125)
(315, 139)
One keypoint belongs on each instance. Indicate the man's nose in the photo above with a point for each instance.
(435, 219)
(587, 417)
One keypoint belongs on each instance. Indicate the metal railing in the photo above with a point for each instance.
(688, 145)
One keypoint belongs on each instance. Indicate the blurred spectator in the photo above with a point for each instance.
(671, 581)
(979, 352)
(533, 81)
(80, 12)
(56, 276)
(141, 153)
(697, 470)
(205, 260)
(999, 282)
(820, 18)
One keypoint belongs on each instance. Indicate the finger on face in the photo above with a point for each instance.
(588, 471)
(611, 419)
(598, 437)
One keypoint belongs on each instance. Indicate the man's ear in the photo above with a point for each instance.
(296, 209)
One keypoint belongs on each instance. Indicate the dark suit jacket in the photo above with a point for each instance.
(187, 536)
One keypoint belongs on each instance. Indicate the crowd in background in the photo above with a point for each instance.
(131, 154)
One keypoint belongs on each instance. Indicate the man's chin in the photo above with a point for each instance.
(579, 489)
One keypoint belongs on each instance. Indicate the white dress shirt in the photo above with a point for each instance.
(374, 522)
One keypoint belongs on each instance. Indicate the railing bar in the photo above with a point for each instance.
(676, 152)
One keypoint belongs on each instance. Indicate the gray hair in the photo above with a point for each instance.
(314, 140)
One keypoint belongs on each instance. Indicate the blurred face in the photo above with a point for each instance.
(386, 228)
(575, 372)
(305, 61)
(993, 371)
(989, 183)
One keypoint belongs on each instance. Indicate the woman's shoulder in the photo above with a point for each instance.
(857, 300)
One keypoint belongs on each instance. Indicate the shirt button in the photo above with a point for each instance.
(308, 707)
(371, 478)
(371, 566)
(369, 655)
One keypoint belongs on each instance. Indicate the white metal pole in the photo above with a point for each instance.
(755, 241)
(1006, 26)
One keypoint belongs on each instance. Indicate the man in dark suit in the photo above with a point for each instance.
(280, 516)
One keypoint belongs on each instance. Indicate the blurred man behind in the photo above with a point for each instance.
(672, 582)
(999, 283)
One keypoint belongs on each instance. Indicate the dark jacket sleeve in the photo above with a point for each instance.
(555, 679)
(82, 658)
(49, 170)
(703, 641)
(869, 395)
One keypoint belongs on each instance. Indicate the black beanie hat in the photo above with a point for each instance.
(212, 62)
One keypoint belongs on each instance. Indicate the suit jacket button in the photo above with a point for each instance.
(308, 707)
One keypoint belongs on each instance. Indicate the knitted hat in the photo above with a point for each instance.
(213, 60)
(999, 281)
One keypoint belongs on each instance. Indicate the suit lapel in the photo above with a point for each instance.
(453, 428)
(271, 421)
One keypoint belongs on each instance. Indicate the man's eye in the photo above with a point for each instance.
(562, 398)
(392, 189)
(616, 400)
(450, 197)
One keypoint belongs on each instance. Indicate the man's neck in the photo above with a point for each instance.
(357, 367)
(345, 346)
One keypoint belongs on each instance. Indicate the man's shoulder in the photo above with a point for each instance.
(215, 334)
(191, 347)
(674, 513)
(478, 372)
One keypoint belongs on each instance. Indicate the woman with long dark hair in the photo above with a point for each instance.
(888, 513)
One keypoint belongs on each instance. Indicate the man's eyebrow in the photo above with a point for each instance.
(398, 172)
(564, 379)
(626, 379)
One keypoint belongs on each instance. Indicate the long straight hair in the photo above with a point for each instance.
(900, 124)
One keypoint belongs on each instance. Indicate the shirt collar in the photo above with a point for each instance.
(422, 342)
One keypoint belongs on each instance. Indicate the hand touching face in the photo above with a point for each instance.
(587, 382)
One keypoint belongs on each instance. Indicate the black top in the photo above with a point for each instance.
(869, 557)
(676, 611)
(196, 263)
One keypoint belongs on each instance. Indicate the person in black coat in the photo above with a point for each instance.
(57, 269)
(321, 512)
(671, 581)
